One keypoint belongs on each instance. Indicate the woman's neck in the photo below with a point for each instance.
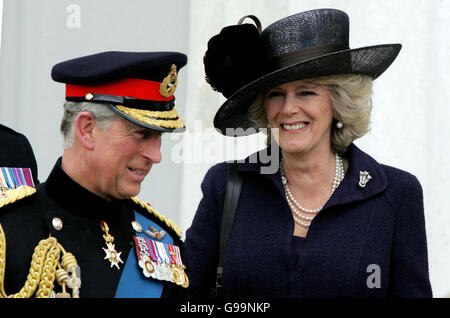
(310, 172)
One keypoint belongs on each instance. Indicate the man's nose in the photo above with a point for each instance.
(151, 149)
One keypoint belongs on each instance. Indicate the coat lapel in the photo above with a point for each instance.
(348, 191)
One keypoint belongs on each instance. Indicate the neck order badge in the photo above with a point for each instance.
(111, 254)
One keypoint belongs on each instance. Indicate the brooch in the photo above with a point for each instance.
(364, 177)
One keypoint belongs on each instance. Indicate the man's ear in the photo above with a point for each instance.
(84, 129)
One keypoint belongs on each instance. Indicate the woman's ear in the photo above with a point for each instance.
(84, 129)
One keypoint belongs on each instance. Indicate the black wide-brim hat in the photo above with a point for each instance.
(138, 86)
(305, 45)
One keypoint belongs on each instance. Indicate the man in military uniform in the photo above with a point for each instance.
(83, 233)
(16, 152)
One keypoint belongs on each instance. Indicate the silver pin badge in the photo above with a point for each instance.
(154, 233)
(364, 177)
(136, 226)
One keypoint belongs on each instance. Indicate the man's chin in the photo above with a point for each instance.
(128, 193)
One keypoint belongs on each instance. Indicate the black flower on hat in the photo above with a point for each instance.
(234, 57)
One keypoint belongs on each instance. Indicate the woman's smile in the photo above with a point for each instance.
(295, 127)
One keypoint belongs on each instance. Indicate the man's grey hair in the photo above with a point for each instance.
(102, 114)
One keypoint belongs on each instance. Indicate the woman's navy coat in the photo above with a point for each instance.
(366, 242)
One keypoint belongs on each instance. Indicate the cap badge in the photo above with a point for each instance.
(169, 84)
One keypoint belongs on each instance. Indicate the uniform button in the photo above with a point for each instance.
(57, 223)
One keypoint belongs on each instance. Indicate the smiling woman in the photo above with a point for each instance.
(331, 214)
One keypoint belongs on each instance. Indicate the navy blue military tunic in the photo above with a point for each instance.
(29, 220)
(366, 241)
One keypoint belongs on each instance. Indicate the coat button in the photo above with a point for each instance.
(57, 223)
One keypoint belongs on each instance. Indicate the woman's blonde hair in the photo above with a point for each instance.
(351, 99)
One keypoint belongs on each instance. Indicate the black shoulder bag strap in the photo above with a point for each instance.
(232, 193)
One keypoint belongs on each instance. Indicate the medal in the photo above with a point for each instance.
(159, 273)
(143, 255)
(178, 277)
(164, 261)
(160, 261)
(111, 254)
(145, 259)
(181, 267)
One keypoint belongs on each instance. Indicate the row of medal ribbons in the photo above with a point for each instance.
(160, 261)
(11, 178)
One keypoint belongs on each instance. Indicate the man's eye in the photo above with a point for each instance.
(138, 135)
(147, 134)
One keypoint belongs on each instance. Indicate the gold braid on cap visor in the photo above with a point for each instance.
(153, 117)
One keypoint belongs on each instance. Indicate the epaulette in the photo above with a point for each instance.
(13, 195)
(166, 220)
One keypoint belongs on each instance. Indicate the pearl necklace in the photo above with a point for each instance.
(294, 205)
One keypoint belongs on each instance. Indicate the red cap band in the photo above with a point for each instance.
(128, 87)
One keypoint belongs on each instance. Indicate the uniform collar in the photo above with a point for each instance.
(348, 191)
(75, 198)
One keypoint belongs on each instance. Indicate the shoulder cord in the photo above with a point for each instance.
(43, 270)
(11, 196)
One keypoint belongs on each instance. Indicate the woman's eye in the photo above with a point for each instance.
(307, 93)
(274, 94)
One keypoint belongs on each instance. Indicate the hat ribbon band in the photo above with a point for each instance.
(126, 101)
(302, 55)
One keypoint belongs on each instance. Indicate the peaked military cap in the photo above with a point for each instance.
(138, 86)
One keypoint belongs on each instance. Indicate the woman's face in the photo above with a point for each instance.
(300, 115)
